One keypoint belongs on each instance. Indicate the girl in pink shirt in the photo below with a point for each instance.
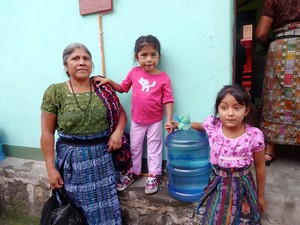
(151, 94)
(231, 196)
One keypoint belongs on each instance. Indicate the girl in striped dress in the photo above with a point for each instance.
(231, 196)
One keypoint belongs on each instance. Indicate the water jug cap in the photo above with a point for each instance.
(184, 121)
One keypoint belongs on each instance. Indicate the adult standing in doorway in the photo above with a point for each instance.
(281, 90)
(83, 164)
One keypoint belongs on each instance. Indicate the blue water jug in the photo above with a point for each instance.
(187, 185)
(2, 155)
(188, 164)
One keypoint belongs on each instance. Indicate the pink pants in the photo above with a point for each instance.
(154, 134)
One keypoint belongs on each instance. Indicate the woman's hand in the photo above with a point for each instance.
(115, 141)
(55, 179)
(49, 122)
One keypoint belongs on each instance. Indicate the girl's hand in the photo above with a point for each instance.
(55, 179)
(261, 204)
(115, 141)
(170, 127)
(99, 80)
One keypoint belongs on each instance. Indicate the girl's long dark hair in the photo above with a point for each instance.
(242, 97)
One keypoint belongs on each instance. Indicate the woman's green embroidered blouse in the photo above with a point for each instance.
(60, 101)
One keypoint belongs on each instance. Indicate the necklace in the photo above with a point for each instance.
(88, 105)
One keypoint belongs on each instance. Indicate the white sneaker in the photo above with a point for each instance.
(125, 181)
(151, 185)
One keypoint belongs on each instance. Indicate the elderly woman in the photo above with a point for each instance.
(83, 164)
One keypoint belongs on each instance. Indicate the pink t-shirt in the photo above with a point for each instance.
(232, 153)
(149, 94)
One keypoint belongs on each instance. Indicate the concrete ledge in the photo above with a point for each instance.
(159, 208)
(24, 190)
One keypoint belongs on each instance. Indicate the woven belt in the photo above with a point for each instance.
(295, 32)
(223, 173)
(83, 143)
(289, 30)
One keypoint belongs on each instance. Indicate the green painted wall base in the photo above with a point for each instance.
(23, 152)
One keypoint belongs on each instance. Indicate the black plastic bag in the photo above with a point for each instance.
(65, 214)
(48, 208)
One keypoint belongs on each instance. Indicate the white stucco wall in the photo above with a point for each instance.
(196, 39)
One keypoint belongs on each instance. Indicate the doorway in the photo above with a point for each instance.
(247, 13)
(245, 22)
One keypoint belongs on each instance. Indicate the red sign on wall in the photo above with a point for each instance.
(95, 6)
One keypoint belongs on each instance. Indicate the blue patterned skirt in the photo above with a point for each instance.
(230, 198)
(89, 177)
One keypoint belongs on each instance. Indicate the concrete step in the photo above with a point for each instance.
(24, 190)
